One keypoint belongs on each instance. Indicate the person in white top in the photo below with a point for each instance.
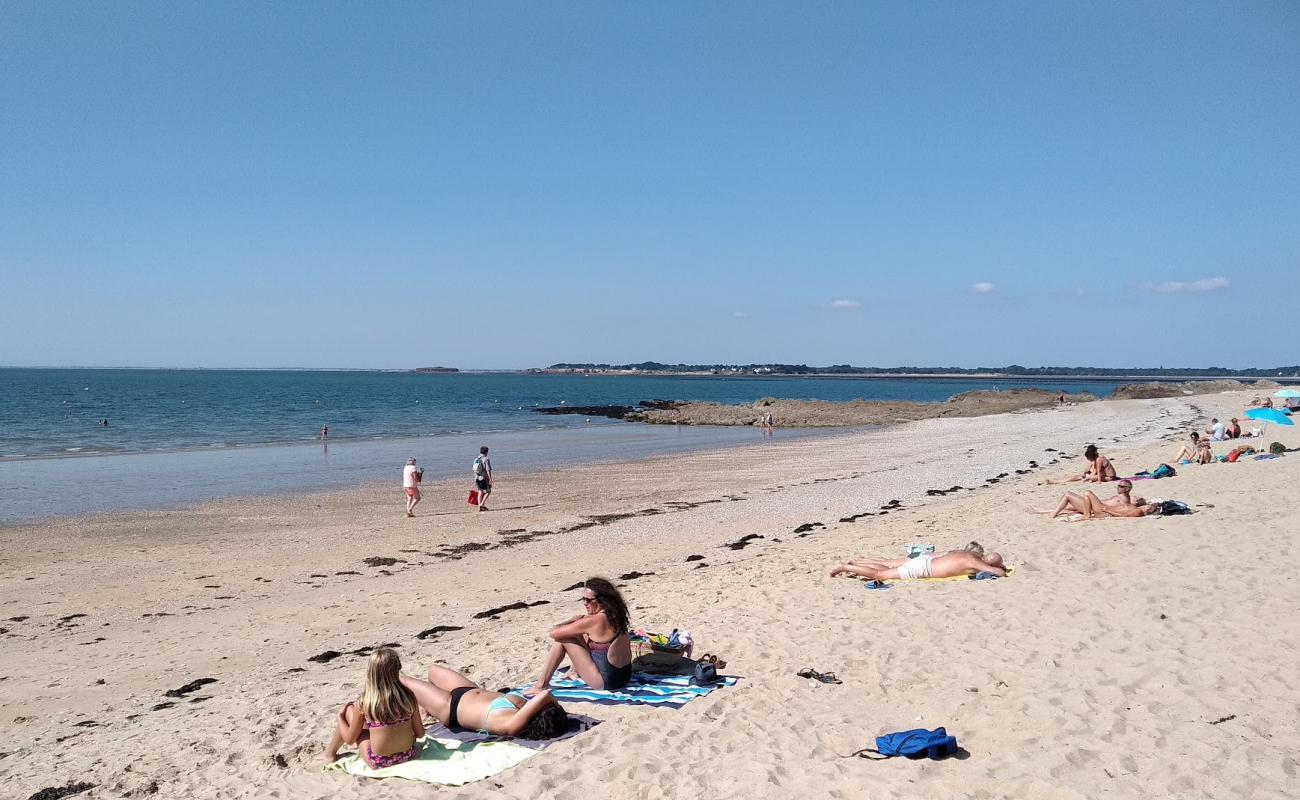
(1215, 430)
(411, 485)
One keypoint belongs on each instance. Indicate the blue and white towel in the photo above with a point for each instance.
(666, 691)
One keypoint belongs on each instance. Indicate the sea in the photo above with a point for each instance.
(79, 441)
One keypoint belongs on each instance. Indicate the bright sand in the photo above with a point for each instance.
(1125, 658)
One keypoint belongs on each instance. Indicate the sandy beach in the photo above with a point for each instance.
(1124, 658)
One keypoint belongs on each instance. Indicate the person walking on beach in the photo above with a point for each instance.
(483, 477)
(324, 432)
(411, 485)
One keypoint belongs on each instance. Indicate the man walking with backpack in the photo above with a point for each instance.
(483, 477)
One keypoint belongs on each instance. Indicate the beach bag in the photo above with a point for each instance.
(916, 743)
(473, 497)
(1163, 471)
(1171, 508)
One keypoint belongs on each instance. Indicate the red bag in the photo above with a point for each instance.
(473, 497)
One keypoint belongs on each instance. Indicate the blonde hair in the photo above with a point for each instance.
(385, 699)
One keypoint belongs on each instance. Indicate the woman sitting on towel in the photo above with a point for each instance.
(1198, 451)
(596, 642)
(384, 722)
(462, 705)
(968, 561)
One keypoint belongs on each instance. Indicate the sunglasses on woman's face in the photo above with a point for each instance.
(588, 599)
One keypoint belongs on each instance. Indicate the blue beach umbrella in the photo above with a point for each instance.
(1286, 393)
(1268, 415)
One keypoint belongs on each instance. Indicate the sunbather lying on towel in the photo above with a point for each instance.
(1099, 469)
(928, 565)
(463, 705)
(1093, 507)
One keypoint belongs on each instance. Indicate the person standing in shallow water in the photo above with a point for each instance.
(411, 485)
(483, 477)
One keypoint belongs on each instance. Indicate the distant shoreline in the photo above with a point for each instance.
(922, 376)
(1288, 379)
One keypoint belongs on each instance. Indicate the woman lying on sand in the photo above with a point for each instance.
(951, 564)
(1093, 507)
(463, 705)
(596, 642)
(384, 722)
(1099, 470)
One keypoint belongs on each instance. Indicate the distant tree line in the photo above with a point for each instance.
(1013, 369)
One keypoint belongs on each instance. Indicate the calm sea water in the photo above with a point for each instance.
(177, 437)
(57, 412)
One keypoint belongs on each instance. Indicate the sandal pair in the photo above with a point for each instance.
(709, 658)
(824, 677)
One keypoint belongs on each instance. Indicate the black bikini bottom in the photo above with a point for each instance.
(453, 724)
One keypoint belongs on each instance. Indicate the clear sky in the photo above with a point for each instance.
(504, 185)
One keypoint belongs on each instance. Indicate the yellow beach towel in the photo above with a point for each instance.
(444, 761)
(1011, 570)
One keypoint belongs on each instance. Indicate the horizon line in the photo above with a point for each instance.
(866, 370)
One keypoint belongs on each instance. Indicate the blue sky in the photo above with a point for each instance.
(506, 185)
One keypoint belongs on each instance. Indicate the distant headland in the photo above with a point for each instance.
(848, 370)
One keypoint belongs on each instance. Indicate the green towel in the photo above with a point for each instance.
(444, 761)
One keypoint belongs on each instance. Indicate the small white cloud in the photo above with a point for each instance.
(983, 287)
(845, 304)
(739, 314)
(1193, 287)
(1079, 291)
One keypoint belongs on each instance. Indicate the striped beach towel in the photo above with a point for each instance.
(667, 691)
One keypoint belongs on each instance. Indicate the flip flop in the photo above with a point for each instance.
(823, 677)
(876, 585)
(709, 658)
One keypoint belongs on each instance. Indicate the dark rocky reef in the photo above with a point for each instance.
(628, 413)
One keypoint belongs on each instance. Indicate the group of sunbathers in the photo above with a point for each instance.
(386, 721)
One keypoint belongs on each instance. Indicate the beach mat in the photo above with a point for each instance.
(644, 689)
(583, 723)
(446, 762)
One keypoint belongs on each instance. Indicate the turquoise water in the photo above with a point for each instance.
(57, 411)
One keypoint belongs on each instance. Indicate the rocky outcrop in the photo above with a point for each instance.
(1149, 391)
(824, 414)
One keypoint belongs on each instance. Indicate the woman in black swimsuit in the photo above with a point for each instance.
(463, 705)
(596, 642)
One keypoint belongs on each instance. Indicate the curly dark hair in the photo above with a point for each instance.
(550, 722)
(611, 602)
